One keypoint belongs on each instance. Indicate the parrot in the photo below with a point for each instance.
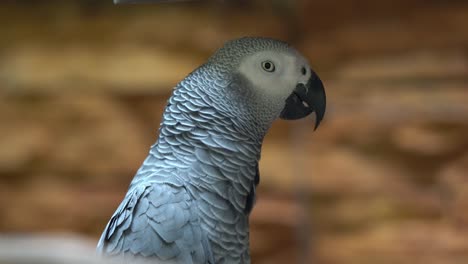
(190, 200)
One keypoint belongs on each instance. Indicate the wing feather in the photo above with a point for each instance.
(157, 221)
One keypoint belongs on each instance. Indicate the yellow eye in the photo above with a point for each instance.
(268, 66)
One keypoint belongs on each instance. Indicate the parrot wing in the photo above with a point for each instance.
(157, 221)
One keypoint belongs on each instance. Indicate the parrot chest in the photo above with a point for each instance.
(226, 230)
(225, 195)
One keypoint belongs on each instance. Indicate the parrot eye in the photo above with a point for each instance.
(268, 66)
(303, 71)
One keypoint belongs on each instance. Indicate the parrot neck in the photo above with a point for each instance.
(249, 112)
(211, 142)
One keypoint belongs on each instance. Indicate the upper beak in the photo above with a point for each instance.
(306, 99)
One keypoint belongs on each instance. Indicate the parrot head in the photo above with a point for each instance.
(280, 78)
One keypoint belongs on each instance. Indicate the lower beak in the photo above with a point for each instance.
(306, 99)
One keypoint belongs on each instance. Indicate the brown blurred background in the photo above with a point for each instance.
(383, 180)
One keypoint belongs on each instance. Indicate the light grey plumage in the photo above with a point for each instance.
(190, 200)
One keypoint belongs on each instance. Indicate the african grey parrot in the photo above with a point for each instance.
(190, 200)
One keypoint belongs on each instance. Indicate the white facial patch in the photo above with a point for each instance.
(276, 85)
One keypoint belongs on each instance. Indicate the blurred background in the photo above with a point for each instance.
(383, 180)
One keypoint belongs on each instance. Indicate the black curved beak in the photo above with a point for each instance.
(306, 99)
